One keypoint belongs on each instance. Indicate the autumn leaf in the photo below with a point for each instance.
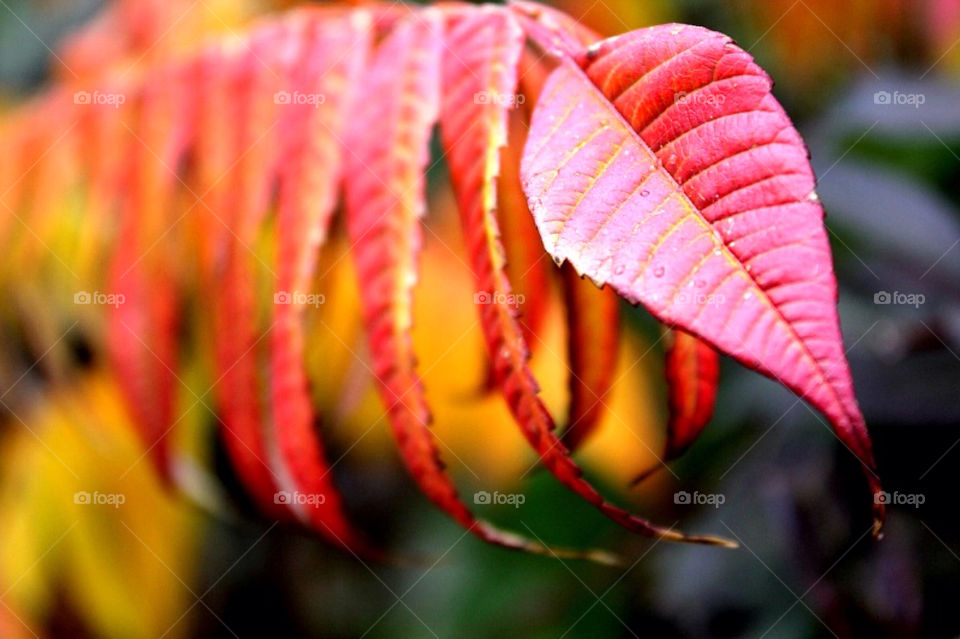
(593, 318)
(528, 266)
(315, 107)
(388, 154)
(658, 162)
(693, 372)
(239, 189)
(144, 319)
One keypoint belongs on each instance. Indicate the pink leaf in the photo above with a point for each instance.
(663, 166)
(325, 55)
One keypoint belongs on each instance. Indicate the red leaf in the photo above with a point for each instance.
(472, 132)
(528, 266)
(143, 325)
(693, 371)
(325, 56)
(247, 178)
(388, 155)
(665, 167)
(593, 320)
(388, 152)
(143, 350)
(553, 30)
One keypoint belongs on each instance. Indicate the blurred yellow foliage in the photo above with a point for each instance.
(124, 568)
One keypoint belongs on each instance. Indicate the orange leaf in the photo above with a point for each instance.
(593, 319)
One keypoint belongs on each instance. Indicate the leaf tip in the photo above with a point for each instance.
(706, 540)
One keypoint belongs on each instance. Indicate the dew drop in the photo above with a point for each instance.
(659, 271)
(644, 193)
(619, 270)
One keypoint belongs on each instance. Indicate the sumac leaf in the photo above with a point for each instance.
(660, 163)
(326, 56)
(143, 324)
(529, 267)
(247, 178)
(388, 150)
(593, 336)
(693, 371)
